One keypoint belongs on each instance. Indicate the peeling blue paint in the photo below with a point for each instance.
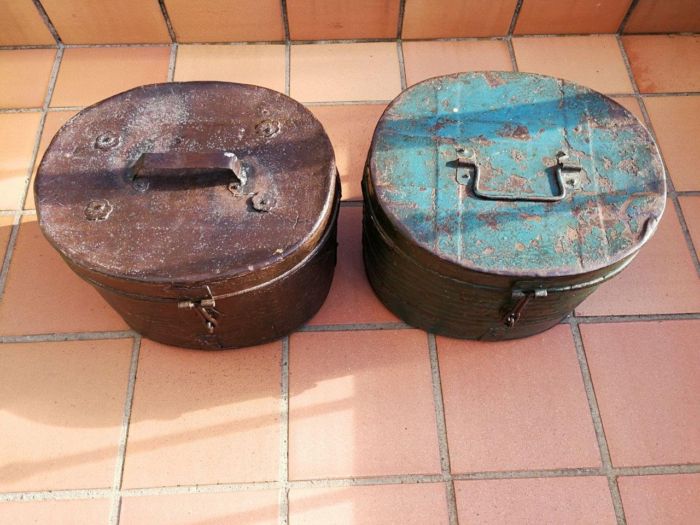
(513, 125)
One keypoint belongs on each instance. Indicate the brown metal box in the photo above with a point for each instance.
(203, 212)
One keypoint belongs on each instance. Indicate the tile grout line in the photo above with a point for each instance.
(115, 507)
(402, 14)
(288, 69)
(285, 20)
(47, 21)
(284, 434)
(441, 427)
(671, 190)
(168, 22)
(516, 15)
(604, 450)
(511, 54)
(402, 64)
(354, 327)
(172, 61)
(628, 14)
(68, 336)
(63, 494)
(14, 233)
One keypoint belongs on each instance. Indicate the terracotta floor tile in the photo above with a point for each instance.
(367, 71)
(456, 18)
(239, 508)
(18, 132)
(42, 295)
(631, 104)
(339, 19)
(88, 75)
(204, 417)
(660, 280)
(24, 77)
(660, 16)
(63, 404)
(593, 61)
(350, 128)
(6, 222)
(661, 499)
(455, 57)
(584, 500)
(226, 21)
(516, 405)
(262, 65)
(59, 512)
(691, 212)
(351, 299)
(100, 22)
(22, 25)
(361, 405)
(676, 122)
(663, 63)
(369, 505)
(647, 384)
(541, 17)
(54, 121)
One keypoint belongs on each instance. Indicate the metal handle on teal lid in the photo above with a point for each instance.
(563, 164)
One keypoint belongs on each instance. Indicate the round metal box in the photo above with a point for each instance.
(495, 202)
(203, 212)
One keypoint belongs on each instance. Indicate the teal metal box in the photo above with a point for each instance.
(495, 202)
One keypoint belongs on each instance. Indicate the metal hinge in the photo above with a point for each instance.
(206, 308)
(524, 297)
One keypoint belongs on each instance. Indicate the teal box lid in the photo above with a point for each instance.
(517, 174)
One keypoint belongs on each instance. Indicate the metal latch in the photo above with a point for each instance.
(513, 316)
(206, 308)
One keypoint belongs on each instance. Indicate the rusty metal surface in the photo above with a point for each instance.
(191, 227)
(204, 212)
(517, 174)
(494, 203)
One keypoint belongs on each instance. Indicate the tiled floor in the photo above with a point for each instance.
(355, 419)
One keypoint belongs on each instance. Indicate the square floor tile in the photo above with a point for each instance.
(456, 18)
(647, 384)
(58, 512)
(100, 22)
(345, 72)
(204, 417)
(661, 499)
(676, 122)
(24, 77)
(63, 404)
(691, 212)
(630, 103)
(361, 404)
(369, 505)
(594, 61)
(541, 17)
(454, 57)
(262, 65)
(516, 405)
(339, 19)
(18, 135)
(88, 75)
(664, 63)
(350, 128)
(660, 280)
(226, 21)
(662, 16)
(22, 25)
(53, 122)
(239, 508)
(43, 295)
(351, 299)
(584, 500)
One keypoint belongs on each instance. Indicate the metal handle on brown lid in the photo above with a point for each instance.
(186, 163)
